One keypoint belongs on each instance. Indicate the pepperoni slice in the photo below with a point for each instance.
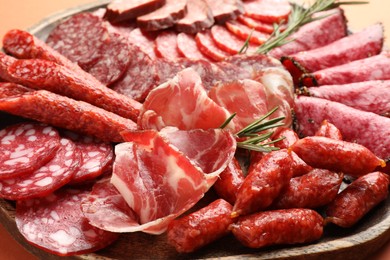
(80, 39)
(271, 11)
(26, 147)
(50, 177)
(96, 157)
(56, 224)
(227, 41)
(186, 45)
(207, 46)
(166, 46)
(244, 32)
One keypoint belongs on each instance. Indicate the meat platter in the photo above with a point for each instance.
(357, 242)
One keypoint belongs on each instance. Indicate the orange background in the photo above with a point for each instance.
(21, 14)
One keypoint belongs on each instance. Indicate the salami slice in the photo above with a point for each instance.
(316, 34)
(80, 39)
(144, 41)
(122, 10)
(25, 148)
(259, 25)
(244, 32)
(141, 67)
(271, 11)
(43, 181)
(224, 10)
(186, 45)
(229, 42)
(114, 60)
(63, 112)
(57, 225)
(371, 96)
(207, 46)
(96, 157)
(166, 46)
(163, 17)
(198, 17)
(360, 45)
(372, 68)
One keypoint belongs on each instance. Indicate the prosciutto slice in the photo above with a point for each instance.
(159, 181)
(181, 102)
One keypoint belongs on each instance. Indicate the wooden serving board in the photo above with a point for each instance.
(359, 242)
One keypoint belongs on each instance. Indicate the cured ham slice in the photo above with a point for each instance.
(360, 45)
(181, 102)
(159, 181)
(355, 125)
(56, 224)
(372, 68)
(198, 17)
(164, 17)
(315, 34)
(371, 96)
(271, 11)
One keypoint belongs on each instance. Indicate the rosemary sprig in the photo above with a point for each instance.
(300, 16)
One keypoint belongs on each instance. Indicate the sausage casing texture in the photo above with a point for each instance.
(336, 155)
(275, 227)
(357, 199)
(200, 228)
(328, 129)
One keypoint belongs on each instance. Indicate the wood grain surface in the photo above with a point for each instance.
(369, 240)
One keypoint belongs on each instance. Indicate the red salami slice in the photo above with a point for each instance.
(166, 70)
(144, 41)
(166, 46)
(315, 34)
(96, 157)
(224, 10)
(114, 60)
(188, 48)
(57, 225)
(360, 45)
(163, 17)
(43, 181)
(42, 74)
(271, 11)
(198, 17)
(207, 46)
(141, 67)
(63, 112)
(244, 32)
(371, 96)
(122, 10)
(372, 68)
(259, 25)
(80, 39)
(25, 148)
(229, 42)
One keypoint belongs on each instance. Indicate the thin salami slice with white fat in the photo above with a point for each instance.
(259, 25)
(163, 17)
(122, 10)
(25, 148)
(244, 32)
(186, 44)
(56, 224)
(114, 60)
(96, 157)
(144, 41)
(43, 181)
(229, 42)
(80, 39)
(208, 47)
(141, 67)
(166, 46)
(271, 11)
(198, 17)
(224, 10)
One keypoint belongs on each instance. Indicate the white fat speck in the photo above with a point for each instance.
(63, 238)
(93, 154)
(17, 161)
(30, 132)
(47, 130)
(32, 138)
(7, 139)
(44, 182)
(54, 215)
(22, 153)
(64, 141)
(92, 165)
(68, 163)
(54, 168)
(25, 183)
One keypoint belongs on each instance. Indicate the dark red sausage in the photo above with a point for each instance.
(289, 137)
(264, 183)
(312, 190)
(200, 228)
(357, 199)
(8, 89)
(288, 226)
(350, 158)
(328, 129)
(229, 181)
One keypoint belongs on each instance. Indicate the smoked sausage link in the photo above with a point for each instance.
(275, 227)
(201, 227)
(357, 199)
